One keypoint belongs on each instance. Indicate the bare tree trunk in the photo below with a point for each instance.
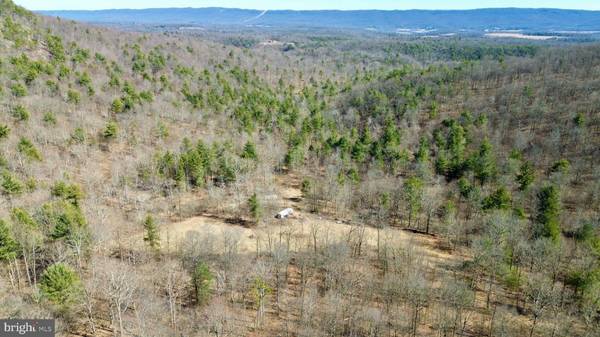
(415, 321)
(17, 273)
(302, 288)
(491, 330)
(490, 286)
(89, 307)
(11, 275)
(120, 290)
(378, 245)
(314, 231)
(533, 325)
(173, 289)
(34, 264)
(277, 289)
(257, 245)
(140, 321)
(120, 321)
(26, 266)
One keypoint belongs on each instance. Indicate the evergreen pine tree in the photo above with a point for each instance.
(548, 213)
(10, 184)
(422, 155)
(8, 245)
(152, 236)
(500, 199)
(525, 176)
(110, 130)
(485, 165)
(413, 194)
(60, 284)
(456, 148)
(201, 279)
(254, 206)
(249, 151)
(4, 131)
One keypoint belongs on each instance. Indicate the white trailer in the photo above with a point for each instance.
(284, 214)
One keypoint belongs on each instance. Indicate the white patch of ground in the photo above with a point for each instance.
(271, 43)
(409, 31)
(511, 35)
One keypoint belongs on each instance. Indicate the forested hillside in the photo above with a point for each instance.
(445, 188)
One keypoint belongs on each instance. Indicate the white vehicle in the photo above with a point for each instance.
(285, 213)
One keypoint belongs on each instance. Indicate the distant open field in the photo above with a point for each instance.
(521, 36)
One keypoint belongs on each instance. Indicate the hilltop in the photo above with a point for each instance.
(416, 21)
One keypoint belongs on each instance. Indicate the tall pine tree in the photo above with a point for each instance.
(485, 164)
(548, 213)
(152, 236)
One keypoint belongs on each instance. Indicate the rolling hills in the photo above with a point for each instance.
(530, 20)
(441, 187)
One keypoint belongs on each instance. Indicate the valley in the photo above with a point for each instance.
(433, 182)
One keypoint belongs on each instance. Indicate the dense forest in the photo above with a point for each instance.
(439, 187)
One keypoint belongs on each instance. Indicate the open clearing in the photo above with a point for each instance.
(506, 35)
(303, 230)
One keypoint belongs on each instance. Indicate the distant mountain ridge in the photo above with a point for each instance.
(542, 20)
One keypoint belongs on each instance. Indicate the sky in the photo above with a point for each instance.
(309, 4)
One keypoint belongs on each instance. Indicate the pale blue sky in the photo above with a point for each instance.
(309, 4)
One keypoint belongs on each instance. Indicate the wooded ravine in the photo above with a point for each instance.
(443, 186)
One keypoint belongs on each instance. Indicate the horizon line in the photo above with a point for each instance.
(316, 10)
